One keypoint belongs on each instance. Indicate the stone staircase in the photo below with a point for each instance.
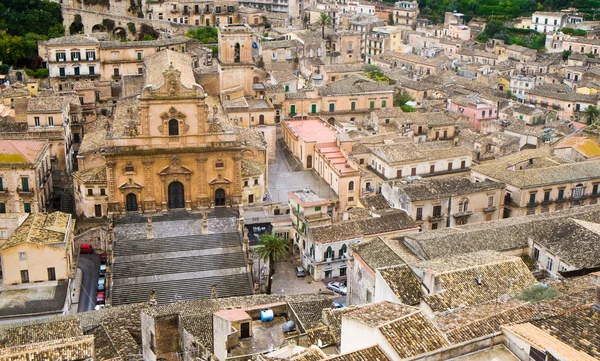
(294, 164)
(66, 203)
(178, 265)
(181, 290)
(177, 244)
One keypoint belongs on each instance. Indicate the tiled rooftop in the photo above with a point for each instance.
(378, 314)
(354, 84)
(386, 223)
(404, 283)
(376, 253)
(42, 228)
(21, 151)
(373, 353)
(445, 187)
(156, 64)
(460, 288)
(413, 335)
(92, 175)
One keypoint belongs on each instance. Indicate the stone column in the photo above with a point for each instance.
(204, 223)
(113, 203)
(163, 181)
(202, 197)
(237, 183)
(188, 199)
(148, 184)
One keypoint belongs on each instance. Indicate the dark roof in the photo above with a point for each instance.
(445, 187)
(376, 253)
(386, 223)
(373, 353)
(404, 283)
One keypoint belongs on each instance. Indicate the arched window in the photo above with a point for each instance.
(312, 250)
(329, 253)
(343, 251)
(351, 186)
(318, 51)
(261, 119)
(236, 53)
(173, 127)
(466, 205)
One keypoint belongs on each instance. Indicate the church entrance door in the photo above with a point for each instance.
(131, 202)
(220, 197)
(176, 195)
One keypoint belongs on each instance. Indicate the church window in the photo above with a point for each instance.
(173, 127)
(219, 165)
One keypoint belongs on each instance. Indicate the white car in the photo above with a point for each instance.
(98, 307)
(337, 287)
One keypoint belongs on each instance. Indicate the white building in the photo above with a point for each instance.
(546, 22)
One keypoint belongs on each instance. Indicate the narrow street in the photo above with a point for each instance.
(89, 265)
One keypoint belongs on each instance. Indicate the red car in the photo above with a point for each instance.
(100, 298)
(103, 258)
(86, 248)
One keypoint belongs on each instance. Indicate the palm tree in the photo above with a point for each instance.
(591, 113)
(323, 21)
(272, 248)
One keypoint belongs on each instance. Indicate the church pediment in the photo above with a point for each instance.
(175, 168)
(219, 180)
(130, 185)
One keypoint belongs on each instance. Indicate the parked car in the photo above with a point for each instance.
(102, 271)
(339, 305)
(101, 284)
(103, 258)
(98, 307)
(86, 248)
(337, 287)
(100, 298)
(300, 272)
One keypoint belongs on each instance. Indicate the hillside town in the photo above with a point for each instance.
(269, 180)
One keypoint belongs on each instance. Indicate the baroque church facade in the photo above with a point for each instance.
(171, 147)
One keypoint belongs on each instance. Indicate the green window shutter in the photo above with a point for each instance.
(25, 184)
(293, 108)
(27, 207)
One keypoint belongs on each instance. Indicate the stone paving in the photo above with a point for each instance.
(285, 281)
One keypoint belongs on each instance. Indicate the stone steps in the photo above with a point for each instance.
(177, 244)
(190, 289)
(178, 265)
(294, 164)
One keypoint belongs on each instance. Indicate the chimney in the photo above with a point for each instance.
(152, 300)
(150, 232)
(213, 292)
(596, 278)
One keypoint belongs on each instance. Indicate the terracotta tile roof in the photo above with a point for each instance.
(461, 261)
(444, 187)
(413, 335)
(73, 40)
(43, 229)
(310, 354)
(404, 283)
(279, 44)
(376, 253)
(500, 235)
(309, 313)
(583, 145)
(333, 319)
(144, 44)
(252, 168)
(373, 353)
(11, 335)
(321, 336)
(21, 151)
(379, 314)
(386, 223)
(103, 347)
(354, 84)
(47, 104)
(459, 288)
(574, 241)
(409, 152)
(578, 328)
(92, 175)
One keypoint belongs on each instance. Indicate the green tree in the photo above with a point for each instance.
(391, 19)
(493, 27)
(591, 114)
(272, 248)
(566, 54)
(538, 293)
(204, 34)
(401, 99)
(323, 21)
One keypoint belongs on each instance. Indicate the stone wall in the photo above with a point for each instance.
(74, 348)
(98, 237)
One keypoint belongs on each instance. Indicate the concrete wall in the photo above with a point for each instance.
(360, 281)
(383, 292)
(148, 336)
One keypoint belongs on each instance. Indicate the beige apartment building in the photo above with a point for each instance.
(307, 210)
(25, 176)
(538, 183)
(89, 189)
(421, 127)
(346, 99)
(384, 38)
(566, 104)
(205, 13)
(419, 64)
(447, 202)
(40, 250)
(315, 144)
